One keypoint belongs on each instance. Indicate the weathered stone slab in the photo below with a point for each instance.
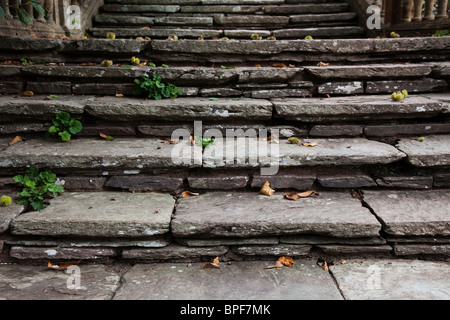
(422, 85)
(227, 241)
(411, 213)
(422, 249)
(7, 214)
(167, 182)
(183, 21)
(186, 109)
(349, 180)
(251, 20)
(131, 156)
(60, 87)
(322, 17)
(299, 179)
(415, 182)
(11, 87)
(124, 20)
(279, 93)
(218, 180)
(240, 281)
(306, 8)
(316, 240)
(407, 129)
(355, 250)
(442, 179)
(332, 131)
(141, 8)
(174, 252)
(379, 280)
(347, 88)
(158, 32)
(244, 152)
(355, 108)
(291, 250)
(30, 108)
(300, 33)
(389, 71)
(104, 214)
(56, 253)
(19, 282)
(220, 214)
(432, 151)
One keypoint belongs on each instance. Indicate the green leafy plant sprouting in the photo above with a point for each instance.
(204, 142)
(442, 33)
(22, 12)
(38, 186)
(64, 126)
(155, 89)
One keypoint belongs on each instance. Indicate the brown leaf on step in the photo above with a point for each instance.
(258, 66)
(27, 94)
(145, 28)
(119, 95)
(291, 66)
(296, 195)
(15, 140)
(87, 64)
(105, 136)
(192, 140)
(63, 265)
(279, 65)
(172, 142)
(214, 264)
(266, 189)
(10, 63)
(273, 138)
(405, 63)
(310, 144)
(187, 194)
(323, 64)
(325, 266)
(282, 262)
(328, 96)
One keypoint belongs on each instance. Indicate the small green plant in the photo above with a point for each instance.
(155, 89)
(38, 186)
(5, 201)
(442, 33)
(64, 126)
(204, 142)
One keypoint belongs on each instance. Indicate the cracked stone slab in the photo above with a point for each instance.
(100, 214)
(240, 280)
(412, 213)
(356, 108)
(432, 151)
(19, 282)
(131, 156)
(245, 215)
(393, 280)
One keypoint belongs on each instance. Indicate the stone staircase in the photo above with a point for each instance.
(382, 191)
(234, 19)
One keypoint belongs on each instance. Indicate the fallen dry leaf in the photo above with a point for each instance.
(279, 65)
(87, 64)
(258, 66)
(105, 136)
(282, 262)
(310, 144)
(27, 94)
(325, 266)
(187, 194)
(323, 64)
(296, 195)
(214, 264)
(119, 95)
(15, 140)
(63, 265)
(273, 138)
(266, 189)
(172, 142)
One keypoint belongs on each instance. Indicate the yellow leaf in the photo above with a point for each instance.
(266, 189)
(282, 262)
(279, 65)
(295, 195)
(119, 95)
(310, 144)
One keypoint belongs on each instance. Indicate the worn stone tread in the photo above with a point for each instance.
(222, 214)
(432, 151)
(103, 214)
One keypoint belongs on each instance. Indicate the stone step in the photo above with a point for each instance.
(134, 155)
(232, 225)
(233, 52)
(227, 80)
